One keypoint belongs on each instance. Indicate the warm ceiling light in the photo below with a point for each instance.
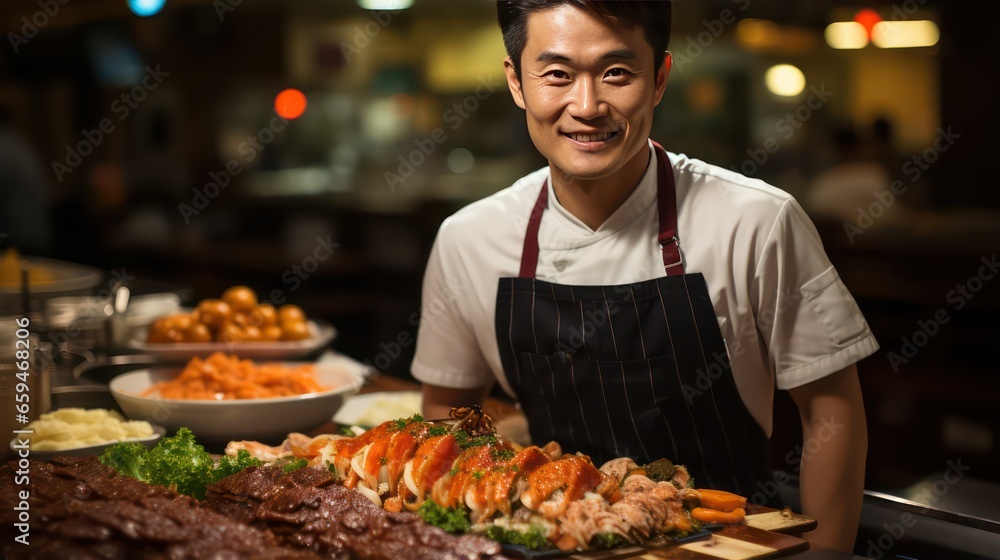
(785, 80)
(756, 33)
(904, 34)
(385, 4)
(846, 35)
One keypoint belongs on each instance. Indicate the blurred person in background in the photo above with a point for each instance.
(24, 212)
(637, 302)
(867, 186)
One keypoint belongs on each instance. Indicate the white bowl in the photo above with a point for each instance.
(266, 420)
(87, 450)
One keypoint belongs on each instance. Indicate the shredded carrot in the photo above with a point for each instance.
(225, 377)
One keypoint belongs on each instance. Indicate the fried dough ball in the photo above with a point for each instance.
(198, 332)
(215, 313)
(171, 328)
(241, 299)
(288, 314)
(295, 331)
(264, 315)
(235, 333)
(271, 333)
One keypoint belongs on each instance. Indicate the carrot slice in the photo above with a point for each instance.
(721, 500)
(715, 516)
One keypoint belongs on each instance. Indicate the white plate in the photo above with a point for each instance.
(322, 334)
(371, 409)
(265, 420)
(88, 450)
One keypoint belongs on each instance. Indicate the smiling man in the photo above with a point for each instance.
(637, 302)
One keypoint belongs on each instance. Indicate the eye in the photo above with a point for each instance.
(557, 74)
(617, 73)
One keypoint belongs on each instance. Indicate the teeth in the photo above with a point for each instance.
(592, 137)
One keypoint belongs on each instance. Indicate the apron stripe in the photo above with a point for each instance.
(681, 388)
(510, 332)
(628, 403)
(611, 325)
(711, 389)
(541, 394)
(534, 335)
(638, 321)
(579, 402)
(604, 396)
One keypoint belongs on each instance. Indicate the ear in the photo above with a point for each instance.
(513, 82)
(661, 77)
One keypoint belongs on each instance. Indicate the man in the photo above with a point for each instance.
(637, 302)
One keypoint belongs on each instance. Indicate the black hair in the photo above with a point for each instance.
(653, 16)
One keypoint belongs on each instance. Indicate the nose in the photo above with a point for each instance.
(585, 100)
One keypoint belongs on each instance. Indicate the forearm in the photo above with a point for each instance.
(438, 401)
(835, 443)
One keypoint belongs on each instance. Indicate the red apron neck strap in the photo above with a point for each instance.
(529, 254)
(666, 197)
(666, 200)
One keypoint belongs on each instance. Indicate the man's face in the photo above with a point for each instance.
(588, 88)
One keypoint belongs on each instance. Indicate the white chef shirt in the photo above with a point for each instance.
(786, 316)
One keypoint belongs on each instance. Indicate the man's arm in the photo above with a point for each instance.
(438, 400)
(835, 445)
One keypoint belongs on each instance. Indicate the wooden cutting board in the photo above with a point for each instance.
(785, 522)
(738, 542)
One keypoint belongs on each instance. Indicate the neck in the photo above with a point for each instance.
(593, 201)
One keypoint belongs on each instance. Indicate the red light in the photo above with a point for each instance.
(290, 104)
(868, 18)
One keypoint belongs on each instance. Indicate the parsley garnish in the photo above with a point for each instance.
(401, 423)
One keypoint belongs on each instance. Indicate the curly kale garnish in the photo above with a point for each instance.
(453, 520)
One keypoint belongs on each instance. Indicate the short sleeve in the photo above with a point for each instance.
(811, 324)
(448, 352)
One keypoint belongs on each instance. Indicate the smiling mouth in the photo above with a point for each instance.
(600, 137)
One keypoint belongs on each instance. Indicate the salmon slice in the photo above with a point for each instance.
(519, 467)
(572, 476)
(432, 460)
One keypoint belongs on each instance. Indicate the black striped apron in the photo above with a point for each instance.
(634, 370)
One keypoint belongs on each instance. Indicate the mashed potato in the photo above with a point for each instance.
(389, 406)
(68, 428)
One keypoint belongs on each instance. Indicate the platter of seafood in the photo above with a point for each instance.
(537, 501)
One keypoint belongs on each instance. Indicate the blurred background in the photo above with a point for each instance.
(160, 141)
